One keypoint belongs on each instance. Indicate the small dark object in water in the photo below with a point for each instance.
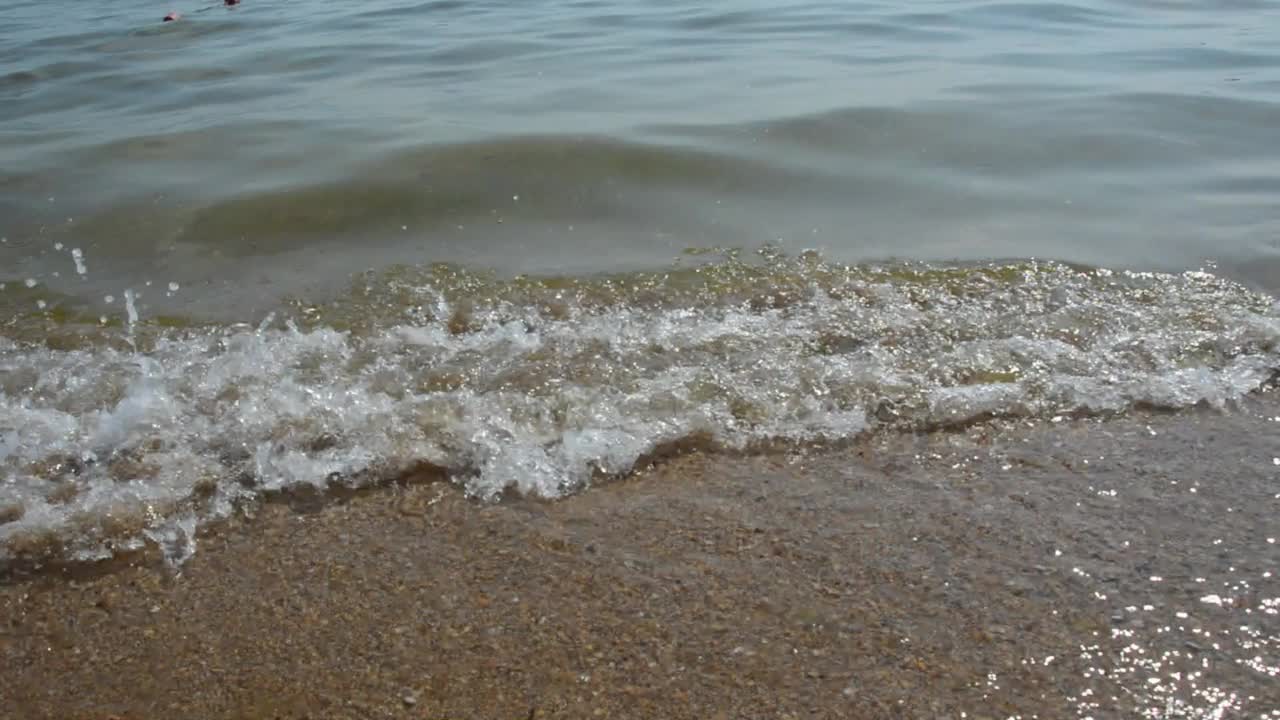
(230, 2)
(172, 16)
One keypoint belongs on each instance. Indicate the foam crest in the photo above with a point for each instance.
(546, 386)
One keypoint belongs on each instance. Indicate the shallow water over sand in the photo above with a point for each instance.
(1085, 568)
(532, 246)
(119, 434)
(948, 325)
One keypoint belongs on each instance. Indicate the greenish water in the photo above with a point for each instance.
(275, 148)
(534, 243)
(313, 246)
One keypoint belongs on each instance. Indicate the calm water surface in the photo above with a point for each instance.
(276, 147)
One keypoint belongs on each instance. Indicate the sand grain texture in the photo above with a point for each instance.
(901, 577)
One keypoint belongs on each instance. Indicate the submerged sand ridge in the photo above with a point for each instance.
(1122, 568)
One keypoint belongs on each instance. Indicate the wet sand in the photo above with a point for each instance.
(1002, 571)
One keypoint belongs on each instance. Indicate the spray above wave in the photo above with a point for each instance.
(118, 434)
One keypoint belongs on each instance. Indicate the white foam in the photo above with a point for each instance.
(546, 406)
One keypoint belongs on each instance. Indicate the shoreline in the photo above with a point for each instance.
(988, 572)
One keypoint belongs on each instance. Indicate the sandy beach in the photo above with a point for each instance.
(1054, 571)
(628, 359)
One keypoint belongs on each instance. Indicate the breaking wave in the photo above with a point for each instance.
(120, 434)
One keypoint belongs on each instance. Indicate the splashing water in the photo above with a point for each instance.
(131, 307)
(544, 386)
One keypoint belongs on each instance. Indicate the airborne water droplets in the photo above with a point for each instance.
(547, 385)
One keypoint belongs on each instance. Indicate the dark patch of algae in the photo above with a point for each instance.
(906, 576)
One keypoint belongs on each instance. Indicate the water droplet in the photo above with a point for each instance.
(30, 282)
(130, 308)
(109, 299)
(173, 287)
